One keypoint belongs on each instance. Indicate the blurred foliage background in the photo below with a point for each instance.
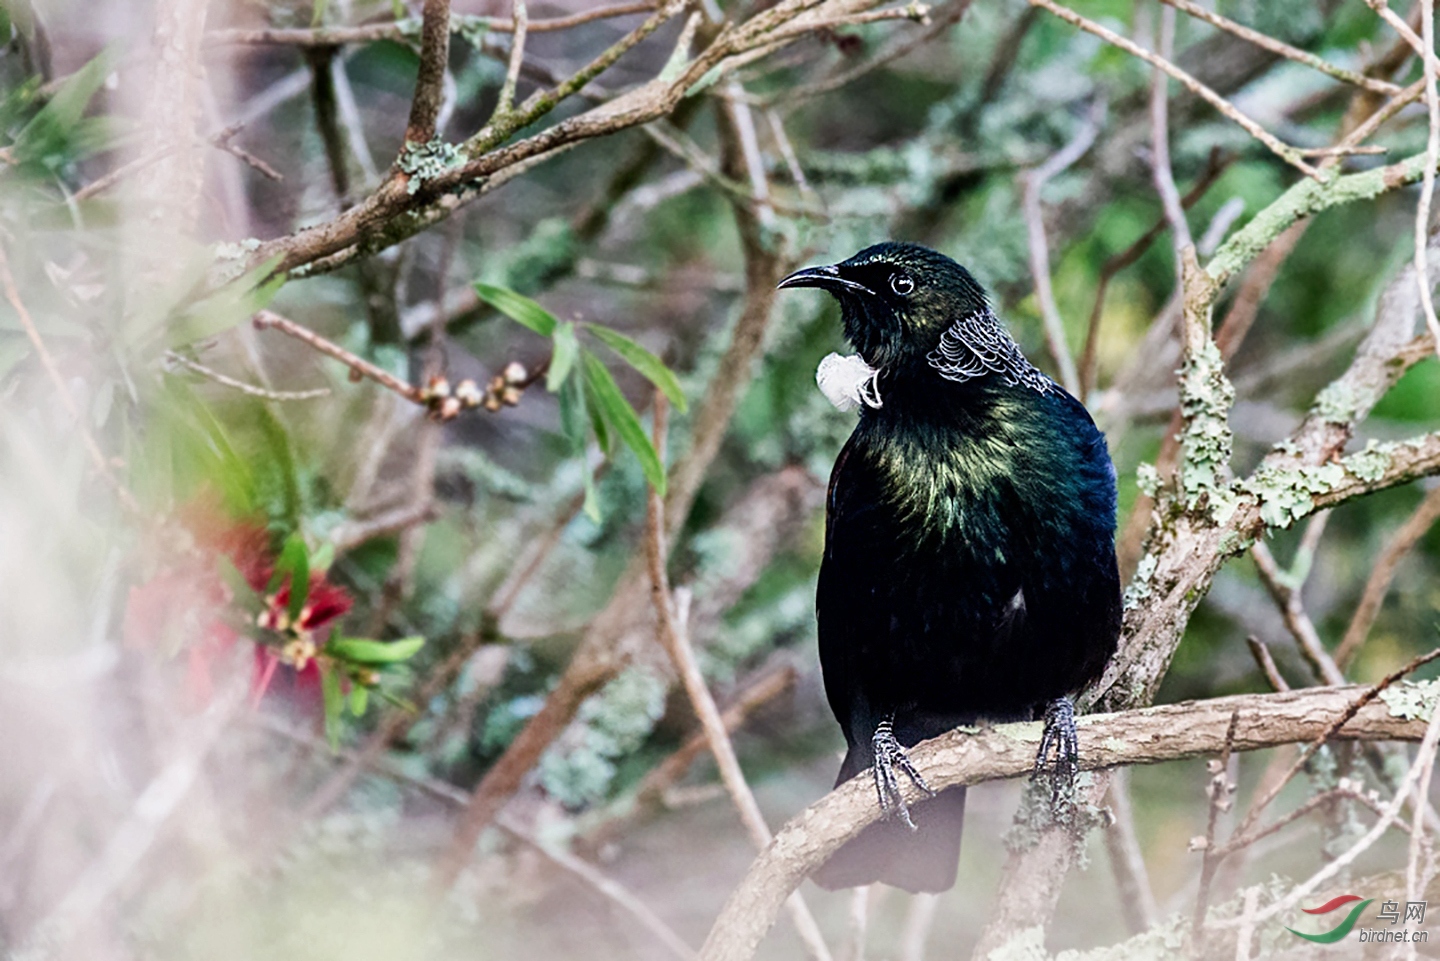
(121, 626)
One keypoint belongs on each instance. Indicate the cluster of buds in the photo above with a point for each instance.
(504, 390)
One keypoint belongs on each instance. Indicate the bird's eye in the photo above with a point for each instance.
(901, 284)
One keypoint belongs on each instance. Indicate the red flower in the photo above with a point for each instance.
(176, 608)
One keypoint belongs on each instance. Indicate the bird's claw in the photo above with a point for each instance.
(889, 755)
(1062, 738)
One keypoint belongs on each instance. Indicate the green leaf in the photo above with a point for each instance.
(518, 308)
(573, 412)
(46, 137)
(295, 561)
(359, 651)
(235, 302)
(622, 417)
(597, 420)
(334, 704)
(317, 14)
(359, 699)
(321, 560)
(562, 359)
(652, 367)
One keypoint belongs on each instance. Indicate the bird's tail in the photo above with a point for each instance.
(924, 859)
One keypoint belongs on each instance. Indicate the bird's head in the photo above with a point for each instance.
(896, 299)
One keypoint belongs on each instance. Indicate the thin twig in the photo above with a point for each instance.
(1426, 513)
(1031, 183)
(269, 320)
(1258, 806)
(605, 885)
(1219, 789)
(1427, 185)
(240, 385)
(1267, 42)
(62, 389)
(1282, 150)
(1160, 169)
(1127, 860)
(1287, 597)
(1266, 662)
(1388, 816)
(674, 640)
(520, 18)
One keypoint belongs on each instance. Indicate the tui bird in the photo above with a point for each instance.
(969, 570)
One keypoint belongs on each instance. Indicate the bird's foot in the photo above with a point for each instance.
(889, 755)
(1062, 739)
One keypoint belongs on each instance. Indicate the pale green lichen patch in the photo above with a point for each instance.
(236, 250)
(1286, 494)
(1336, 404)
(424, 162)
(1370, 464)
(1147, 478)
(1139, 587)
(1412, 700)
(1206, 396)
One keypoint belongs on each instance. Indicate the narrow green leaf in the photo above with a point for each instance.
(295, 561)
(334, 703)
(518, 308)
(622, 417)
(562, 358)
(597, 420)
(359, 699)
(574, 410)
(359, 651)
(317, 14)
(652, 367)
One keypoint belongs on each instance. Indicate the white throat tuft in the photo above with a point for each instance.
(847, 382)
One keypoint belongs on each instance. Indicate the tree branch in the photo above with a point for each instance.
(966, 756)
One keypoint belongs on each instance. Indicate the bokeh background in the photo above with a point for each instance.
(168, 778)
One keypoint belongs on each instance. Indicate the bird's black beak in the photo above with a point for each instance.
(827, 278)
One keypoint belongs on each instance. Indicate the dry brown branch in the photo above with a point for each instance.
(1267, 42)
(430, 82)
(399, 208)
(1144, 736)
(240, 385)
(402, 30)
(1282, 150)
(941, 19)
(1127, 861)
(1160, 169)
(1285, 590)
(1426, 513)
(1214, 167)
(1031, 183)
(672, 634)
